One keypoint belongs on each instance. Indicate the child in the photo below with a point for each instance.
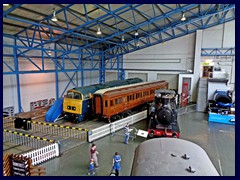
(91, 168)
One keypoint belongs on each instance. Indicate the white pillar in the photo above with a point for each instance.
(197, 63)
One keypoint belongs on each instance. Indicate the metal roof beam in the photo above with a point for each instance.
(143, 24)
(226, 9)
(15, 6)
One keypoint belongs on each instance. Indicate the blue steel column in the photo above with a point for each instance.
(102, 69)
(82, 72)
(17, 76)
(122, 70)
(121, 73)
(56, 72)
(118, 70)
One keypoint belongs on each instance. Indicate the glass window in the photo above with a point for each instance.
(111, 103)
(77, 95)
(106, 103)
(70, 94)
(73, 95)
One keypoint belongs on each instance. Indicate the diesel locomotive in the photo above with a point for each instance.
(77, 105)
(163, 117)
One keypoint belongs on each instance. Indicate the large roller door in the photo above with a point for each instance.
(142, 76)
(172, 79)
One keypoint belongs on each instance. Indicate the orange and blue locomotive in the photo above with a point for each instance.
(163, 117)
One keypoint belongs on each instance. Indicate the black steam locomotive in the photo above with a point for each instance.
(163, 116)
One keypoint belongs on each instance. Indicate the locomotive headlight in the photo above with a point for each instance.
(69, 107)
(73, 108)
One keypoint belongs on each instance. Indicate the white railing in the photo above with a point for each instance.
(115, 126)
(43, 154)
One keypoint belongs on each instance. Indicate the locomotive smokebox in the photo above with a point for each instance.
(164, 116)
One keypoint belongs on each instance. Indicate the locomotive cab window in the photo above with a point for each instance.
(70, 95)
(73, 95)
(77, 96)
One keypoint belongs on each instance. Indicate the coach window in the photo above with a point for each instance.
(124, 99)
(152, 91)
(111, 103)
(120, 100)
(106, 103)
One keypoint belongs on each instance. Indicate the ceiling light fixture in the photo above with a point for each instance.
(136, 33)
(123, 38)
(183, 17)
(5, 4)
(54, 18)
(49, 52)
(99, 31)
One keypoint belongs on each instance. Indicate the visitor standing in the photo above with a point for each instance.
(94, 154)
(116, 163)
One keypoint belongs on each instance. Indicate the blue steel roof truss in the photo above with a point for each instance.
(218, 51)
(79, 45)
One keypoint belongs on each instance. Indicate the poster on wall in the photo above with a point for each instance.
(41, 103)
(8, 111)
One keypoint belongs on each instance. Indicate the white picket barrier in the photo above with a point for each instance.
(115, 126)
(43, 154)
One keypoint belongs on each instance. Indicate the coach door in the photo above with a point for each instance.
(98, 104)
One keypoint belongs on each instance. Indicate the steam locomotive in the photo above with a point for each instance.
(163, 116)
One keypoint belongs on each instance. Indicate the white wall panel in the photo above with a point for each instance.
(10, 92)
(171, 55)
(229, 34)
(213, 37)
(172, 79)
(110, 76)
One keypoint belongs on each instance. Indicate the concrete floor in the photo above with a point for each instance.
(218, 140)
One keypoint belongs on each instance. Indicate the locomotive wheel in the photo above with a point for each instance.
(151, 134)
(174, 135)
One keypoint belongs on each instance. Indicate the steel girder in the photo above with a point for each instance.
(214, 15)
(218, 51)
(175, 30)
(201, 20)
(87, 45)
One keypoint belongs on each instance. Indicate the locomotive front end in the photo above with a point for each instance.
(72, 104)
(163, 117)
